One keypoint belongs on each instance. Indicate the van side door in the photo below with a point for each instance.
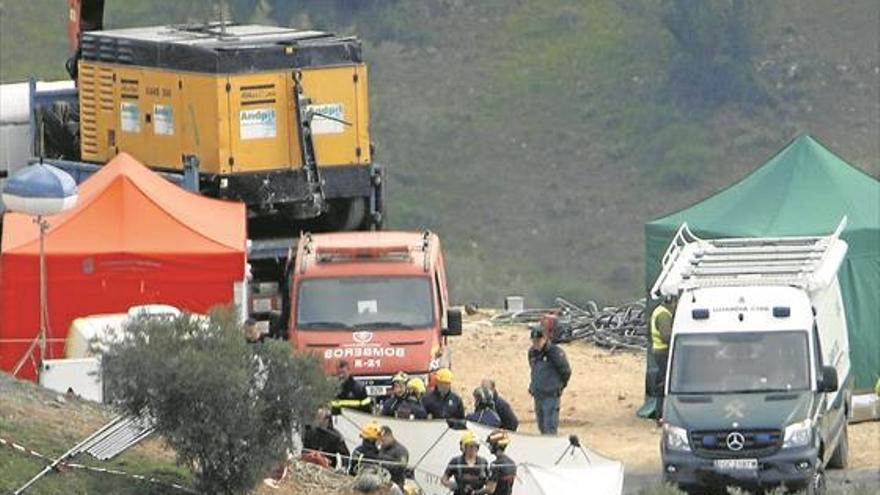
(831, 415)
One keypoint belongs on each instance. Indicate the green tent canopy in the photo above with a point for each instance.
(804, 190)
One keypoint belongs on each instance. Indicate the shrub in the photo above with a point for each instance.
(716, 42)
(227, 408)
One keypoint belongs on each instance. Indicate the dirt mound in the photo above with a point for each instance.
(309, 479)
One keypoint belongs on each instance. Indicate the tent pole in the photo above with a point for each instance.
(28, 354)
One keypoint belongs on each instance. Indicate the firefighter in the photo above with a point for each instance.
(468, 473)
(484, 409)
(411, 407)
(442, 402)
(550, 373)
(661, 332)
(502, 471)
(367, 451)
(415, 388)
(398, 394)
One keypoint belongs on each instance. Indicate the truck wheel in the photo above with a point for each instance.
(840, 457)
(817, 483)
(345, 214)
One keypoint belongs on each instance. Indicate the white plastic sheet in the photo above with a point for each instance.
(547, 465)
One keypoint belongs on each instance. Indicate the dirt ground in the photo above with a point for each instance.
(600, 403)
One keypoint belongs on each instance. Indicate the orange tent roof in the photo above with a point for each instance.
(126, 207)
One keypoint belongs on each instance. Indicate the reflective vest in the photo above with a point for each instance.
(657, 340)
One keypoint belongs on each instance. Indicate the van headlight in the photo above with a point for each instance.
(676, 438)
(798, 434)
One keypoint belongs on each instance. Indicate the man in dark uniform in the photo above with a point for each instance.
(393, 455)
(484, 409)
(349, 388)
(467, 473)
(502, 471)
(550, 375)
(322, 439)
(442, 402)
(509, 421)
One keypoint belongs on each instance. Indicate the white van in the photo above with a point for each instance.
(759, 386)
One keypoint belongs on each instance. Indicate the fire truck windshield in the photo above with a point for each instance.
(365, 302)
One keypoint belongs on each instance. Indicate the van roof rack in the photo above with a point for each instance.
(809, 262)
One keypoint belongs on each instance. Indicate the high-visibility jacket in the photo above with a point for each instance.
(658, 341)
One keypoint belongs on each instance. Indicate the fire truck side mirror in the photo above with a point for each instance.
(453, 323)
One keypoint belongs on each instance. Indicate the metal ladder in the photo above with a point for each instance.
(691, 262)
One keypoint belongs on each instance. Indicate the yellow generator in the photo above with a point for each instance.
(275, 117)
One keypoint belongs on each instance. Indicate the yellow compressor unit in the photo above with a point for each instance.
(272, 116)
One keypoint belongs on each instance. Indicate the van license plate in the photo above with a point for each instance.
(736, 464)
(376, 390)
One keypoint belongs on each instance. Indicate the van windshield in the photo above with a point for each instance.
(365, 302)
(739, 363)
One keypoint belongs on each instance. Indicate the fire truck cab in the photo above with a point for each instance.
(375, 299)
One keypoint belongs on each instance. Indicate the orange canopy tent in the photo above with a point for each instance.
(134, 238)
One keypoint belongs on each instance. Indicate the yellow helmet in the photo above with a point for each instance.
(443, 375)
(370, 431)
(400, 377)
(468, 438)
(416, 385)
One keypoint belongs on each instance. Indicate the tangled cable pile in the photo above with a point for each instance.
(611, 327)
(310, 479)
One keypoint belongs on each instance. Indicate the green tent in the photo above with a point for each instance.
(804, 190)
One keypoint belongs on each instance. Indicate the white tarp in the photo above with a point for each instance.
(546, 465)
(601, 479)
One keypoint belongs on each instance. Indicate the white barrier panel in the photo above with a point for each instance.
(605, 479)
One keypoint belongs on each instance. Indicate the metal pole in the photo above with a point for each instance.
(44, 225)
(41, 338)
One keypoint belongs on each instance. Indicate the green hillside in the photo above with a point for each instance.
(537, 136)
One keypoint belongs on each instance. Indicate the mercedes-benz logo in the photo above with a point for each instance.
(736, 441)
